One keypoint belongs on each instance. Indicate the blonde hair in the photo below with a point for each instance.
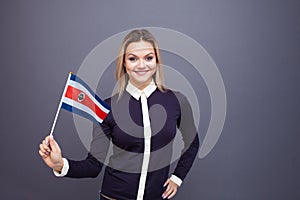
(121, 75)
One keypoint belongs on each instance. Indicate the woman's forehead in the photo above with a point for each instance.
(140, 47)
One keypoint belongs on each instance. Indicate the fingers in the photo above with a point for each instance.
(43, 154)
(172, 194)
(47, 146)
(171, 189)
(53, 144)
(44, 148)
(167, 183)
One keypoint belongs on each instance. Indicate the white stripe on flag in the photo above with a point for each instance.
(82, 107)
(80, 87)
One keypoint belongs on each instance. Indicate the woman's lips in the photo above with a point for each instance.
(141, 72)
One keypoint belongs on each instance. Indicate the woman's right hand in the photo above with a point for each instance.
(51, 154)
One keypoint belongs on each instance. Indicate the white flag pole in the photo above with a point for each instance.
(59, 105)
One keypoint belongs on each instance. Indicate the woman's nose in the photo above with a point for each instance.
(142, 64)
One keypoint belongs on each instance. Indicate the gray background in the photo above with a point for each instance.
(255, 45)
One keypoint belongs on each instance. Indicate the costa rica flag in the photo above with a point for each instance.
(80, 99)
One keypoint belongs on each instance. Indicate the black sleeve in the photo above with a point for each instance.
(190, 138)
(92, 165)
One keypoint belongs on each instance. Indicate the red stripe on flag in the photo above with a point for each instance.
(72, 93)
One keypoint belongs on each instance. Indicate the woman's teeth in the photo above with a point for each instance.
(141, 72)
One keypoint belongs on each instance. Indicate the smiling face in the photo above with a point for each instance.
(140, 63)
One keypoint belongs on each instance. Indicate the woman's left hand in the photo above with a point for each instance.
(171, 189)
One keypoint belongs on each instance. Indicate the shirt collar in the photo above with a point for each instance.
(136, 93)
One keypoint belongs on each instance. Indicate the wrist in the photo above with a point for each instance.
(176, 180)
(58, 168)
(61, 171)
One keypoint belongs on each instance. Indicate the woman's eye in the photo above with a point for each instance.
(132, 59)
(149, 58)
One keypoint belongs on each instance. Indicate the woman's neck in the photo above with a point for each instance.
(141, 86)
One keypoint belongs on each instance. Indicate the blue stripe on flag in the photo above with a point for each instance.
(77, 79)
(79, 112)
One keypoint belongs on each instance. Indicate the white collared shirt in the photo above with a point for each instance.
(136, 93)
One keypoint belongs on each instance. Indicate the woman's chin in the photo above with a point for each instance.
(141, 81)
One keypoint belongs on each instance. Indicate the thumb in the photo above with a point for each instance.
(167, 182)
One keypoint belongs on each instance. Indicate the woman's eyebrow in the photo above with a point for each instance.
(149, 53)
(136, 55)
(130, 54)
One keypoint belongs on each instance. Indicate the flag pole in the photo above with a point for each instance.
(59, 105)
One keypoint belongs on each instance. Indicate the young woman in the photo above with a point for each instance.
(141, 127)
